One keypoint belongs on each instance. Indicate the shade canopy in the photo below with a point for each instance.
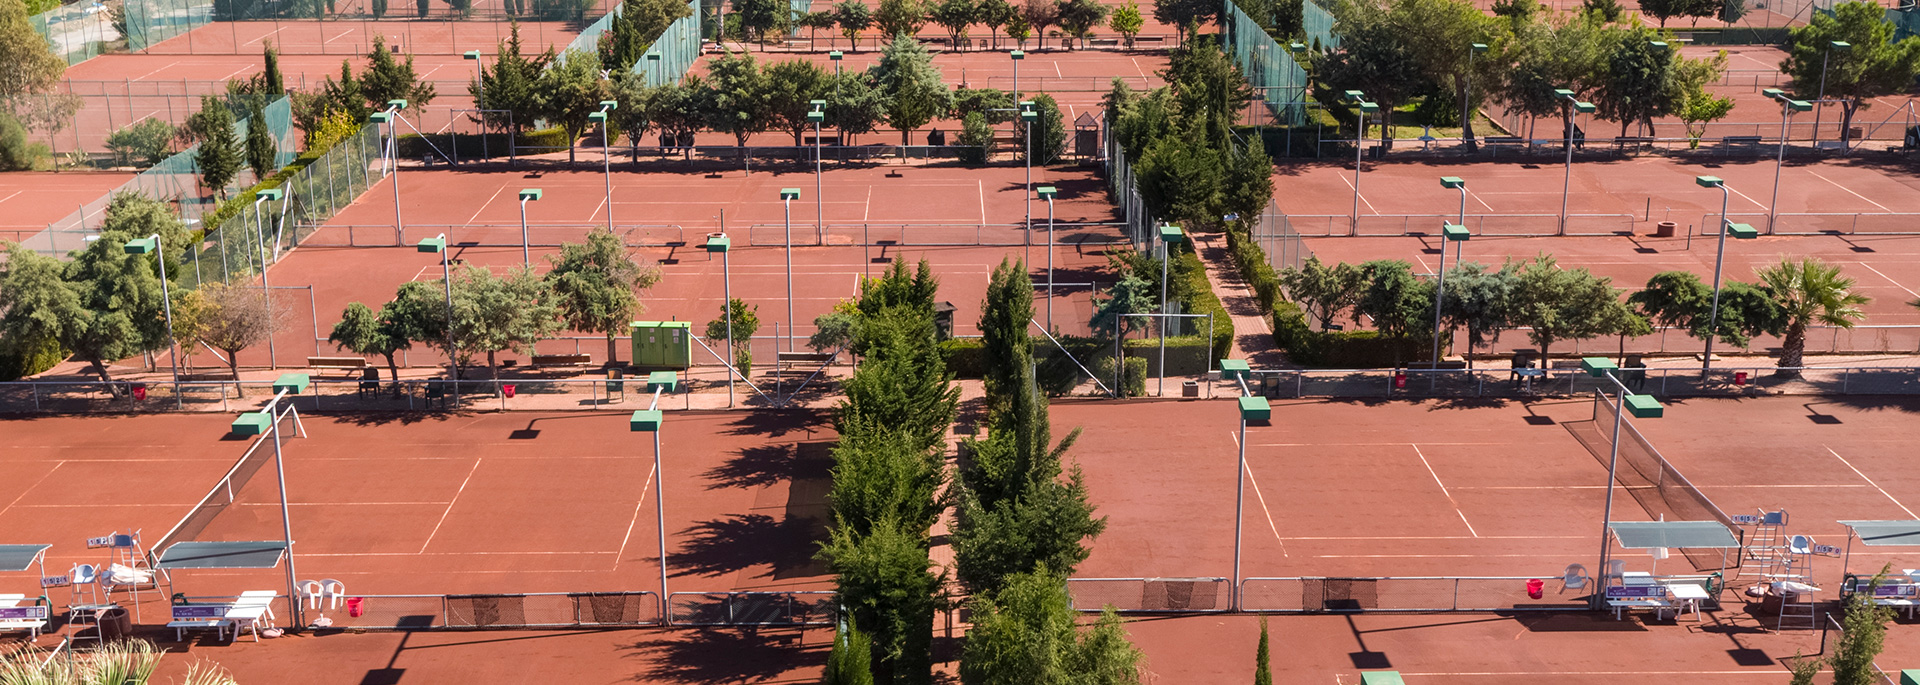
(1886, 533)
(211, 555)
(1687, 534)
(16, 558)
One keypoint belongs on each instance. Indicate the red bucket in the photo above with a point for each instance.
(1739, 378)
(356, 606)
(507, 389)
(1399, 381)
(1535, 588)
(139, 391)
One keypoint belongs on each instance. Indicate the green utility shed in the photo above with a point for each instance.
(662, 344)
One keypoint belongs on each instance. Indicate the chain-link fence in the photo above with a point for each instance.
(1268, 66)
(77, 32)
(1125, 193)
(674, 52)
(1285, 248)
(246, 242)
(1319, 26)
(148, 22)
(1434, 593)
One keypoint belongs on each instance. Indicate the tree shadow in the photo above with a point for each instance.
(741, 541)
(766, 465)
(777, 423)
(714, 656)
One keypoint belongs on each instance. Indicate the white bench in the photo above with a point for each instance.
(30, 618)
(187, 617)
(246, 612)
(1623, 597)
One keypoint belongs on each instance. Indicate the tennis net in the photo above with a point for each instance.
(1659, 487)
(225, 492)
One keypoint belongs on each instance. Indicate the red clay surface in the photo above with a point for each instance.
(477, 503)
(691, 288)
(350, 37)
(31, 199)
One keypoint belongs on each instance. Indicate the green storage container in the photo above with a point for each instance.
(662, 344)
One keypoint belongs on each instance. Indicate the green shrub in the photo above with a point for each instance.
(1135, 380)
(143, 144)
(469, 147)
(16, 152)
(964, 357)
(976, 135)
(1194, 292)
(20, 361)
(1187, 355)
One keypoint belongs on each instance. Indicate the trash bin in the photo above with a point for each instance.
(1190, 389)
(356, 606)
(1739, 378)
(1536, 588)
(1664, 229)
(115, 624)
(139, 392)
(507, 389)
(1399, 381)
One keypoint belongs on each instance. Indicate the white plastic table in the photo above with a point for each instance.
(1690, 595)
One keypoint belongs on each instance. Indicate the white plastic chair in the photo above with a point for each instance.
(84, 579)
(1616, 569)
(334, 591)
(1800, 544)
(310, 591)
(1575, 577)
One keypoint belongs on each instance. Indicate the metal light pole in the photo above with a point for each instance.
(818, 116)
(719, 242)
(286, 516)
(1466, 106)
(152, 244)
(266, 288)
(1741, 231)
(651, 420)
(1027, 119)
(1821, 99)
(1169, 235)
(835, 56)
(1017, 56)
(1252, 408)
(1047, 193)
(606, 156)
(1787, 107)
(787, 196)
(391, 117)
(439, 244)
(1358, 99)
(526, 251)
(1644, 407)
(479, 98)
(1573, 106)
(1448, 233)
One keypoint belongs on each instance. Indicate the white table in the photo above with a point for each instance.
(1659, 606)
(252, 609)
(1690, 595)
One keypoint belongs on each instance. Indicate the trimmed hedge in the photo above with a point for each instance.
(1195, 294)
(17, 362)
(1186, 356)
(1343, 349)
(1735, 35)
(414, 146)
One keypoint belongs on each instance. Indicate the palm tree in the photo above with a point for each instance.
(1809, 291)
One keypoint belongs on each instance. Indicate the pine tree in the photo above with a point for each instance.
(219, 157)
(261, 149)
(851, 661)
(1262, 664)
(1004, 317)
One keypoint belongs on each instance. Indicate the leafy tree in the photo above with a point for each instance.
(1185, 12)
(632, 119)
(1050, 130)
(1609, 11)
(234, 318)
(17, 153)
(363, 331)
(742, 102)
(1558, 304)
(493, 314)
(1875, 66)
(903, 383)
(1518, 11)
(1397, 303)
(1026, 634)
(1679, 299)
(746, 322)
(1809, 291)
(976, 139)
(900, 17)
(1373, 59)
(142, 144)
(851, 661)
(1179, 180)
(32, 68)
(570, 91)
(271, 81)
(593, 283)
(262, 151)
(834, 329)
(1249, 187)
(760, 17)
(1623, 320)
(1079, 17)
(1732, 10)
(912, 87)
(103, 306)
(1863, 634)
(1477, 300)
(1662, 10)
(219, 155)
(508, 85)
(853, 16)
(881, 473)
(1262, 663)
(854, 106)
(886, 585)
(1018, 29)
(1803, 669)
(1699, 108)
(994, 14)
(1440, 33)
(794, 85)
(1564, 52)
(1046, 526)
(678, 109)
(1322, 290)
(1040, 14)
(344, 95)
(389, 79)
(1130, 295)
(955, 16)
(139, 216)
(1127, 21)
(813, 22)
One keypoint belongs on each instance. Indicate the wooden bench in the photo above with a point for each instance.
(351, 363)
(562, 359)
(1156, 40)
(1750, 143)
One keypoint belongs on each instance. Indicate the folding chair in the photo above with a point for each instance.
(369, 381)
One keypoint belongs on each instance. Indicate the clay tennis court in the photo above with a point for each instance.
(31, 200)
(507, 502)
(928, 212)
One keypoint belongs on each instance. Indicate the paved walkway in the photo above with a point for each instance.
(1252, 332)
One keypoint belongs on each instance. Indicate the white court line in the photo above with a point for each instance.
(1443, 537)
(1263, 500)
(338, 504)
(1437, 556)
(1443, 489)
(1895, 283)
(1869, 481)
(1363, 196)
(483, 205)
(449, 510)
(30, 488)
(450, 554)
(164, 67)
(1476, 198)
(978, 184)
(637, 506)
(1817, 175)
(343, 34)
(1364, 444)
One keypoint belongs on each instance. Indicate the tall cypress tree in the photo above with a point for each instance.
(275, 84)
(261, 149)
(1003, 330)
(1262, 663)
(219, 155)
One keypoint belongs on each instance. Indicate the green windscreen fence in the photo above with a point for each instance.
(674, 52)
(1319, 25)
(77, 32)
(1278, 81)
(152, 21)
(175, 179)
(248, 241)
(795, 10)
(589, 38)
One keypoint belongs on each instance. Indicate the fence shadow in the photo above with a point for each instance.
(715, 656)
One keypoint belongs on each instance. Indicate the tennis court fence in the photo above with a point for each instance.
(502, 611)
(1820, 223)
(1387, 594)
(1660, 488)
(1152, 595)
(805, 233)
(784, 608)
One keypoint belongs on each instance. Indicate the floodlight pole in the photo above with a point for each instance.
(446, 282)
(786, 203)
(1606, 512)
(1239, 504)
(393, 159)
(1566, 180)
(266, 289)
(1166, 258)
(166, 304)
(726, 312)
(1719, 258)
(1787, 107)
(1050, 277)
(606, 158)
(526, 250)
(1359, 144)
(660, 513)
(1820, 100)
(286, 518)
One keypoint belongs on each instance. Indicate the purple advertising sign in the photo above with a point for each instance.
(1635, 591)
(198, 612)
(24, 613)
